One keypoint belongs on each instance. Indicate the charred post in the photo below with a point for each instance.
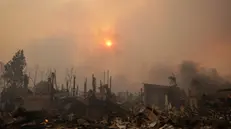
(85, 88)
(108, 77)
(104, 76)
(73, 89)
(77, 91)
(52, 84)
(93, 84)
(62, 87)
(55, 81)
(67, 86)
(50, 88)
(110, 83)
(101, 87)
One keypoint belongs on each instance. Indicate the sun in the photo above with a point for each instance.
(108, 43)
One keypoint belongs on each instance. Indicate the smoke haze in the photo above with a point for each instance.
(204, 79)
(151, 37)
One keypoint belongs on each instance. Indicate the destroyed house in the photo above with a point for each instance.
(154, 95)
(157, 95)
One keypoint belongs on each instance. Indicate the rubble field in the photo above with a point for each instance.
(140, 118)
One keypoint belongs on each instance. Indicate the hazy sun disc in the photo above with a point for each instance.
(108, 43)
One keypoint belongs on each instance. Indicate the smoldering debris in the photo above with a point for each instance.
(95, 111)
(148, 118)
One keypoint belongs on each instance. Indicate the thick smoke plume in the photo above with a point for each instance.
(189, 75)
(192, 75)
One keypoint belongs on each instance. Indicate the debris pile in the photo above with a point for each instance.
(146, 118)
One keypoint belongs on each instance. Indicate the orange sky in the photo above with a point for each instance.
(65, 33)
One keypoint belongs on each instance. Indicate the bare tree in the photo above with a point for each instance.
(48, 72)
(70, 76)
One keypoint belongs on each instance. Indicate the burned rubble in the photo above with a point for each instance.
(154, 107)
(101, 110)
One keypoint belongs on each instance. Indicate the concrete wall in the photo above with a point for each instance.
(154, 95)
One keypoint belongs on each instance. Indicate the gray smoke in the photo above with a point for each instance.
(189, 74)
(192, 75)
